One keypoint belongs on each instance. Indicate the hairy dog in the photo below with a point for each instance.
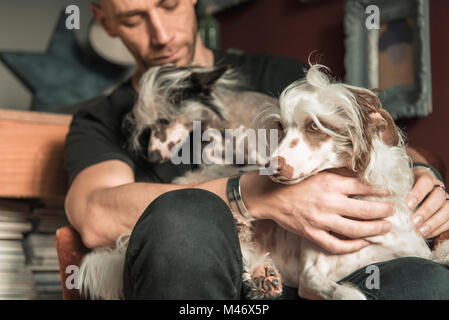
(333, 125)
(323, 125)
(160, 126)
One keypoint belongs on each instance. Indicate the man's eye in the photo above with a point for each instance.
(170, 4)
(131, 25)
(132, 22)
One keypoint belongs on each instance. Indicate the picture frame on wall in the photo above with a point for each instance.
(393, 57)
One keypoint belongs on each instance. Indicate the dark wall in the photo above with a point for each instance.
(289, 28)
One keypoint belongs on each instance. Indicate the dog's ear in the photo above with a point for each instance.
(378, 120)
(199, 84)
(206, 80)
(382, 122)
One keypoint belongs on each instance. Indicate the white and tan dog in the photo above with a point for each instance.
(332, 125)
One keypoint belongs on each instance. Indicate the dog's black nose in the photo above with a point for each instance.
(281, 164)
(277, 166)
(154, 156)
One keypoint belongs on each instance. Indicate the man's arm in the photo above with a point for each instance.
(104, 201)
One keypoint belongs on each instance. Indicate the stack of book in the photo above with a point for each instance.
(41, 251)
(16, 280)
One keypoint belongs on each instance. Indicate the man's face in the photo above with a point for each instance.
(155, 31)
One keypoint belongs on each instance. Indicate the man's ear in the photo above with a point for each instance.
(100, 15)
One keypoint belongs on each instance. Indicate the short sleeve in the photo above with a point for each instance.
(91, 141)
(97, 135)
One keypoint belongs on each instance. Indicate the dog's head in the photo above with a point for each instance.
(170, 99)
(328, 125)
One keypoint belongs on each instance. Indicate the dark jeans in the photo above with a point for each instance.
(185, 246)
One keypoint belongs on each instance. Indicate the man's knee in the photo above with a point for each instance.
(189, 231)
(411, 278)
(186, 213)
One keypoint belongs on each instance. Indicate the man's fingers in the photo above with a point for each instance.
(353, 186)
(420, 190)
(365, 209)
(429, 207)
(334, 245)
(439, 231)
(436, 223)
(358, 229)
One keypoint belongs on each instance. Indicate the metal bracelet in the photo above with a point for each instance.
(235, 197)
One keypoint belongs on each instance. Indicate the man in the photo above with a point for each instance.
(184, 243)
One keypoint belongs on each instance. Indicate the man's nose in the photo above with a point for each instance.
(160, 34)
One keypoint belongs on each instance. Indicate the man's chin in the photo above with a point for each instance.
(180, 58)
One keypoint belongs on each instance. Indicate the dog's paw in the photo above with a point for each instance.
(264, 283)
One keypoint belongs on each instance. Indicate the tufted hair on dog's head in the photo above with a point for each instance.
(176, 96)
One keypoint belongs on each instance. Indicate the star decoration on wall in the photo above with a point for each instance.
(63, 75)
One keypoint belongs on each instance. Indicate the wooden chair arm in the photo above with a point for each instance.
(71, 251)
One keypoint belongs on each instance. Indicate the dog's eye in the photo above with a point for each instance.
(279, 126)
(281, 130)
(314, 126)
(163, 122)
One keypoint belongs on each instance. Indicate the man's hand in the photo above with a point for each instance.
(431, 217)
(320, 207)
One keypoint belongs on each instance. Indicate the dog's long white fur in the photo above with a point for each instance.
(101, 271)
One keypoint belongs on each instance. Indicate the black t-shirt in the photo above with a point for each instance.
(96, 133)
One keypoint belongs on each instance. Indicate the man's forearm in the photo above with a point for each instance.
(113, 211)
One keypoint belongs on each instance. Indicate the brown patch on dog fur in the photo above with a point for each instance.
(172, 144)
(160, 133)
(375, 120)
(285, 170)
(314, 138)
(294, 143)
